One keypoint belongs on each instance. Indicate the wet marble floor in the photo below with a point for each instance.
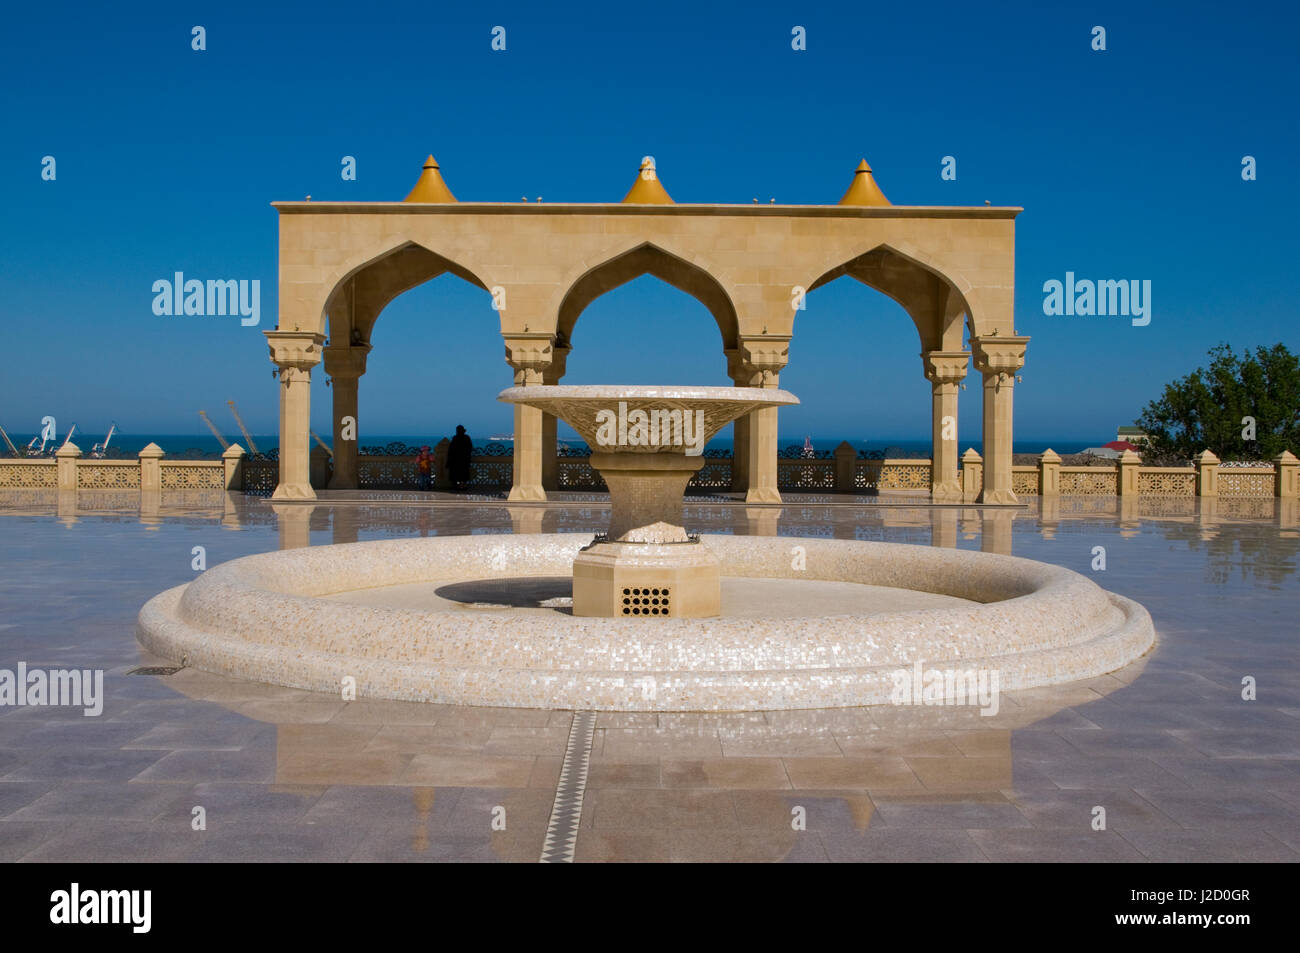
(1183, 766)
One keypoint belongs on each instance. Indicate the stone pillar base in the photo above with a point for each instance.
(762, 494)
(998, 496)
(527, 494)
(949, 491)
(293, 491)
(647, 580)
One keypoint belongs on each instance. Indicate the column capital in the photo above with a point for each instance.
(346, 362)
(945, 367)
(998, 354)
(763, 358)
(735, 365)
(300, 350)
(530, 353)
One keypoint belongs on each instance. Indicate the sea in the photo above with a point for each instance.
(201, 445)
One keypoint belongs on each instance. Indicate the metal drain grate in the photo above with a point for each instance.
(645, 601)
(155, 670)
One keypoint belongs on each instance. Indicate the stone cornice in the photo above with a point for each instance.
(572, 208)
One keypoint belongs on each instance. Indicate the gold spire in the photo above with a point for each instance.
(863, 190)
(647, 190)
(429, 187)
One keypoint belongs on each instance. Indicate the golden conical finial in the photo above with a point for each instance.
(429, 187)
(647, 190)
(863, 190)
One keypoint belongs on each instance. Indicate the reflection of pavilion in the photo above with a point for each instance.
(934, 757)
(951, 270)
(1200, 518)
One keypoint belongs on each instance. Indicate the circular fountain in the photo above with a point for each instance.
(647, 443)
(660, 620)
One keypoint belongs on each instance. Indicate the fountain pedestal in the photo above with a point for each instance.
(647, 565)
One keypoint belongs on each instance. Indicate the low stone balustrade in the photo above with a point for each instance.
(841, 471)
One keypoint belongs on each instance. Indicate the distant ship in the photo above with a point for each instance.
(808, 450)
(502, 436)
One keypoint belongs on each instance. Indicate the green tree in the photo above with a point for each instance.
(1205, 409)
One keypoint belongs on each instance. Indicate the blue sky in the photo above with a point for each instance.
(1127, 162)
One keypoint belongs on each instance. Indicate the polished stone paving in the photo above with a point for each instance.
(1183, 766)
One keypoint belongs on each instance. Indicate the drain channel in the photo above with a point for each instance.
(562, 830)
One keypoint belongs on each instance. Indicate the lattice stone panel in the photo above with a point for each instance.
(1088, 481)
(575, 473)
(1252, 484)
(714, 475)
(1024, 482)
(176, 477)
(108, 476)
(905, 476)
(491, 471)
(260, 476)
(866, 474)
(29, 475)
(1164, 483)
(805, 474)
(387, 473)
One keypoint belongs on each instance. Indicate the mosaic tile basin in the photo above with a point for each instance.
(278, 618)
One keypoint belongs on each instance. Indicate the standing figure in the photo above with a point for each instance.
(424, 467)
(458, 454)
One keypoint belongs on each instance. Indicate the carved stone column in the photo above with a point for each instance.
(998, 359)
(345, 365)
(530, 355)
(945, 370)
(740, 376)
(295, 353)
(764, 357)
(550, 443)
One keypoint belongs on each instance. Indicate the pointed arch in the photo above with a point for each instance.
(933, 300)
(648, 258)
(358, 298)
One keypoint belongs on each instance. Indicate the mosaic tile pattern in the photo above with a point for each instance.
(262, 618)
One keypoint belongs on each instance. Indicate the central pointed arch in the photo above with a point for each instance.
(648, 259)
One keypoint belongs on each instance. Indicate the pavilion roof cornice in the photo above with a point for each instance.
(572, 208)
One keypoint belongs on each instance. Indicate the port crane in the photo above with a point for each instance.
(9, 443)
(100, 450)
(252, 447)
(225, 444)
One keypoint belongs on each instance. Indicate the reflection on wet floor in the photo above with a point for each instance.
(1184, 767)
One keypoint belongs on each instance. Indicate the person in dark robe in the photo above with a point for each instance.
(458, 455)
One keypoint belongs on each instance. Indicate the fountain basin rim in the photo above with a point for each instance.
(262, 617)
(684, 394)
